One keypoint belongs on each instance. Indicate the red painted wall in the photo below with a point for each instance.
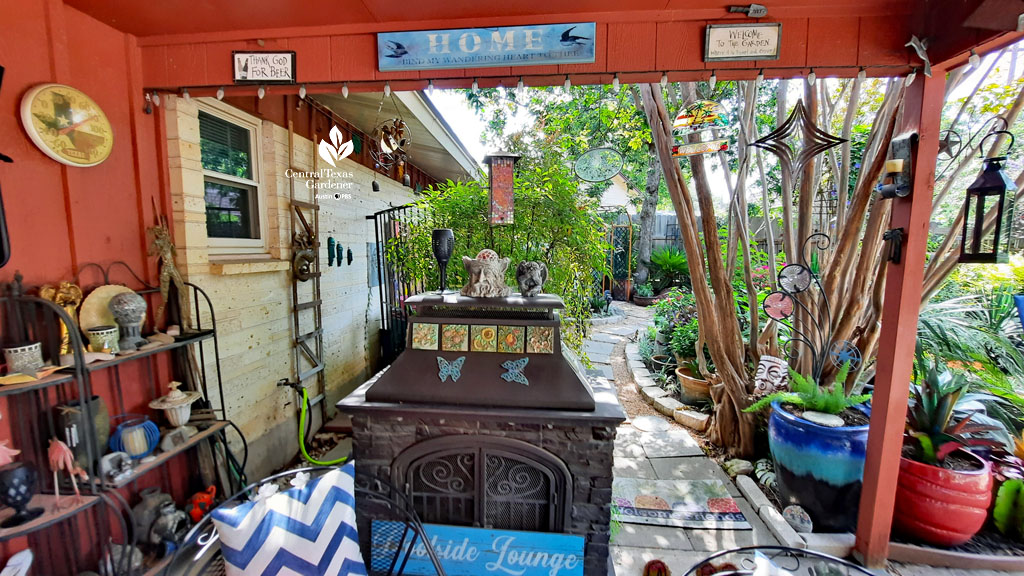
(62, 217)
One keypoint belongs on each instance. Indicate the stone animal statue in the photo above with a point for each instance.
(486, 275)
(163, 248)
(531, 277)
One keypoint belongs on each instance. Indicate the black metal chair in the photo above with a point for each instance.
(200, 555)
(740, 562)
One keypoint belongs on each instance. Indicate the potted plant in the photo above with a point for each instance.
(692, 388)
(669, 268)
(818, 439)
(644, 295)
(944, 490)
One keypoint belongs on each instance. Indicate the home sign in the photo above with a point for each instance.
(483, 47)
(263, 67)
(731, 42)
(465, 551)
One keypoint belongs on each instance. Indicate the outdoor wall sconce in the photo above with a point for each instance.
(502, 186)
(897, 182)
(986, 240)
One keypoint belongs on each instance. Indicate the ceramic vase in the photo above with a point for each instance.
(129, 310)
(17, 486)
(26, 359)
(818, 468)
(104, 339)
(72, 419)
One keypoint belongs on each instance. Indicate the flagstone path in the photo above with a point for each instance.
(649, 445)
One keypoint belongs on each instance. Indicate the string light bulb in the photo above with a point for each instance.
(430, 87)
(760, 77)
(811, 77)
(475, 87)
(302, 92)
(664, 79)
(156, 99)
(712, 81)
(387, 89)
(910, 78)
(220, 93)
(520, 88)
(344, 90)
(261, 92)
(615, 82)
(974, 60)
(186, 95)
(862, 75)
(567, 84)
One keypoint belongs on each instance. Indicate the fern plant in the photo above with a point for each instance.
(807, 394)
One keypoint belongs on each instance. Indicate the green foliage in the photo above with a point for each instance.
(674, 308)
(645, 346)
(645, 290)
(1008, 508)
(807, 394)
(598, 304)
(930, 416)
(669, 267)
(551, 225)
(684, 339)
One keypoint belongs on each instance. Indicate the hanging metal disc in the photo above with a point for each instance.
(598, 164)
(795, 278)
(844, 351)
(778, 305)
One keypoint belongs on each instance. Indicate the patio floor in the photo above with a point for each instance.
(672, 453)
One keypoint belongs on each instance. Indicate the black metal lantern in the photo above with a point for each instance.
(986, 238)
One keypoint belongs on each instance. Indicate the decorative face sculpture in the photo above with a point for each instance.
(770, 375)
(531, 277)
(486, 275)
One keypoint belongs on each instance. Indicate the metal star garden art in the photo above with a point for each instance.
(815, 141)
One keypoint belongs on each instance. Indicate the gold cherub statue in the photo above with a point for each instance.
(68, 296)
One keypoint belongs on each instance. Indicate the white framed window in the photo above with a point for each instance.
(229, 142)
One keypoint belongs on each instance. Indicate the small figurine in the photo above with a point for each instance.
(63, 459)
(200, 503)
(163, 248)
(531, 277)
(770, 376)
(486, 275)
(7, 454)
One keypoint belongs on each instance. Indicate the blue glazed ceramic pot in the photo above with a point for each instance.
(818, 468)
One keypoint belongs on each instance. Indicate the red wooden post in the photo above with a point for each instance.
(921, 113)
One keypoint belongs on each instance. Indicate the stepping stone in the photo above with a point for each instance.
(621, 330)
(629, 449)
(633, 468)
(609, 338)
(702, 468)
(630, 561)
(637, 364)
(651, 424)
(600, 359)
(712, 540)
(599, 348)
(651, 536)
(602, 371)
(670, 444)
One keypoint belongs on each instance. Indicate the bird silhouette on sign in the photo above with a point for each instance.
(397, 49)
(570, 39)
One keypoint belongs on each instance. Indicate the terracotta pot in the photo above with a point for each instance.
(662, 362)
(644, 300)
(939, 506)
(692, 390)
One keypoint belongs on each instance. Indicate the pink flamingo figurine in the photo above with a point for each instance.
(7, 454)
(62, 458)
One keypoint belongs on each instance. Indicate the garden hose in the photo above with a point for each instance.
(302, 439)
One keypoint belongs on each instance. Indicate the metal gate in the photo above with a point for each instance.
(620, 259)
(394, 285)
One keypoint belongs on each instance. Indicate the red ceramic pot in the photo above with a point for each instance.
(939, 506)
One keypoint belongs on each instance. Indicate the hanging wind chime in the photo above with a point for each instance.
(696, 118)
(390, 147)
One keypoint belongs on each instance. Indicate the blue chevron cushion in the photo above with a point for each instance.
(309, 531)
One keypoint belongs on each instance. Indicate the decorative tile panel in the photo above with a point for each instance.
(510, 339)
(455, 337)
(424, 336)
(540, 340)
(484, 338)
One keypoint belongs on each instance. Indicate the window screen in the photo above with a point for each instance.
(225, 147)
(231, 206)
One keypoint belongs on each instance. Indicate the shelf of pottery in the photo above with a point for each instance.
(94, 404)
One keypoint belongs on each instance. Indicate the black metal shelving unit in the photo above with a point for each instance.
(74, 536)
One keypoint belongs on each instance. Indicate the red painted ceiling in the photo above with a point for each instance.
(169, 17)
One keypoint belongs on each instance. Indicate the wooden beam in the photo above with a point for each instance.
(921, 114)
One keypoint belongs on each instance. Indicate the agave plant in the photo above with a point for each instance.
(807, 394)
(930, 416)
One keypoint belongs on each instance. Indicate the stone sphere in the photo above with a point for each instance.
(128, 308)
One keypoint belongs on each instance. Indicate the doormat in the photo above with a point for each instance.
(683, 503)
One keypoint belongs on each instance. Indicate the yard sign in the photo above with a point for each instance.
(484, 47)
(465, 551)
(731, 42)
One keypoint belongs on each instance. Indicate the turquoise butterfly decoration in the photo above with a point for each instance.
(453, 368)
(515, 371)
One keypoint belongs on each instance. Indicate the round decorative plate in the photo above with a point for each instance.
(67, 125)
(598, 164)
(95, 309)
(795, 278)
(778, 305)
